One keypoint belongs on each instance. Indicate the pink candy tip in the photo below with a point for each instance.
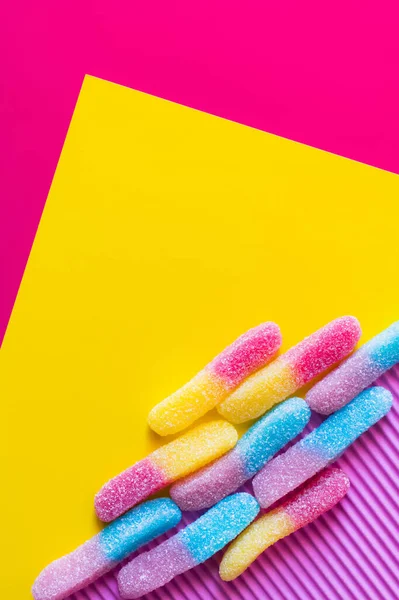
(319, 495)
(324, 348)
(128, 489)
(248, 353)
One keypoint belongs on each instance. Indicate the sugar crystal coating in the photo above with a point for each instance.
(268, 435)
(137, 527)
(358, 372)
(191, 546)
(100, 554)
(319, 495)
(194, 449)
(219, 525)
(212, 483)
(321, 447)
(128, 489)
(291, 370)
(324, 348)
(183, 455)
(153, 569)
(247, 354)
(72, 572)
(285, 473)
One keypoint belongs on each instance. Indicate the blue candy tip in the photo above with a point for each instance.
(383, 395)
(138, 526)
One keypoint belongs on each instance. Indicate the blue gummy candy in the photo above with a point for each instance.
(342, 428)
(138, 526)
(273, 431)
(383, 349)
(219, 525)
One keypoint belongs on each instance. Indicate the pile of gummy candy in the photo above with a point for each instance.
(207, 465)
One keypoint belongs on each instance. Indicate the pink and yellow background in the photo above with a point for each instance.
(325, 76)
(168, 232)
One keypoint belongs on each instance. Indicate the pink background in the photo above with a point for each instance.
(325, 74)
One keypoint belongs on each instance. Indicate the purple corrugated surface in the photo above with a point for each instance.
(351, 553)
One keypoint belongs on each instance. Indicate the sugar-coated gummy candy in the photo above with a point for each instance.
(355, 374)
(176, 459)
(291, 370)
(318, 496)
(100, 554)
(191, 546)
(247, 354)
(321, 447)
(267, 436)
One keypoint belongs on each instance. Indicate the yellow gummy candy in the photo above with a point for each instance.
(253, 541)
(188, 404)
(194, 449)
(225, 372)
(259, 393)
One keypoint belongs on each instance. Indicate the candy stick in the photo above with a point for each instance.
(188, 548)
(100, 554)
(319, 495)
(291, 370)
(185, 454)
(204, 488)
(321, 447)
(356, 373)
(210, 386)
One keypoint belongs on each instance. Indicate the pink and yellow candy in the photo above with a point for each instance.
(185, 454)
(319, 495)
(290, 371)
(247, 354)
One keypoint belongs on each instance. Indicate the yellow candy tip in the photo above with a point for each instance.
(195, 449)
(155, 423)
(182, 408)
(259, 393)
(261, 534)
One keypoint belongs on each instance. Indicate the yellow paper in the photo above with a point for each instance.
(167, 233)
